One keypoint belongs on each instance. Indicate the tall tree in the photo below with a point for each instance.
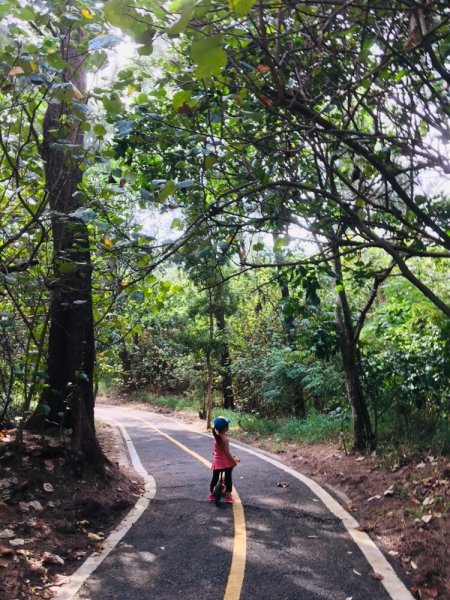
(69, 396)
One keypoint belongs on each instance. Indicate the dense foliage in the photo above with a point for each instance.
(295, 156)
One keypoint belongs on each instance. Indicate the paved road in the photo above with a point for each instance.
(275, 543)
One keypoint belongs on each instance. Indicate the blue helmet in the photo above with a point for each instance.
(220, 423)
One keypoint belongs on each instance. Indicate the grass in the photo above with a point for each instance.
(181, 403)
(316, 427)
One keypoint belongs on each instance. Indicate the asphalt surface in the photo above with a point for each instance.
(181, 546)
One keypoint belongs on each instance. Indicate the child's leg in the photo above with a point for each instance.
(214, 480)
(228, 480)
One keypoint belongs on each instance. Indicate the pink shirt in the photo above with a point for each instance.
(220, 459)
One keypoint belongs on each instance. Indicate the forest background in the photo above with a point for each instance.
(295, 155)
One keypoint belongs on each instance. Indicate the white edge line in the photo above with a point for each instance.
(394, 586)
(78, 578)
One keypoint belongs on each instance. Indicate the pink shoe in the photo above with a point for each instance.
(229, 500)
(211, 497)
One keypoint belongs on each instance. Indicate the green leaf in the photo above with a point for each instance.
(187, 11)
(280, 243)
(99, 130)
(180, 98)
(124, 128)
(167, 191)
(177, 224)
(120, 14)
(241, 7)
(210, 161)
(209, 56)
(43, 410)
(145, 38)
(258, 246)
(112, 104)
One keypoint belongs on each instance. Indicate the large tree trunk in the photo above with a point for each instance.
(362, 430)
(69, 398)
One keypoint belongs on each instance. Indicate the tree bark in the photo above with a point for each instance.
(362, 429)
(226, 377)
(295, 389)
(68, 401)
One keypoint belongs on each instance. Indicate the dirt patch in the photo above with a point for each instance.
(403, 504)
(55, 512)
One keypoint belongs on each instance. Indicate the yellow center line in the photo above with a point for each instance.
(237, 569)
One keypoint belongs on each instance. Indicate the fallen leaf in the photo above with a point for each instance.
(4, 564)
(33, 449)
(351, 507)
(6, 533)
(429, 592)
(75, 554)
(377, 576)
(4, 551)
(36, 566)
(52, 559)
(95, 537)
(36, 505)
(365, 528)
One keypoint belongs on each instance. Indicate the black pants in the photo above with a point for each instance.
(227, 479)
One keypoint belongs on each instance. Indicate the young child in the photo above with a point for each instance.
(222, 458)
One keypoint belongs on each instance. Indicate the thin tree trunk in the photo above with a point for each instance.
(226, 377)
(362, 430)
(210, 373)
(297, 397)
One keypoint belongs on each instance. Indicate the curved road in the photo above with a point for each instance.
(284, 543)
